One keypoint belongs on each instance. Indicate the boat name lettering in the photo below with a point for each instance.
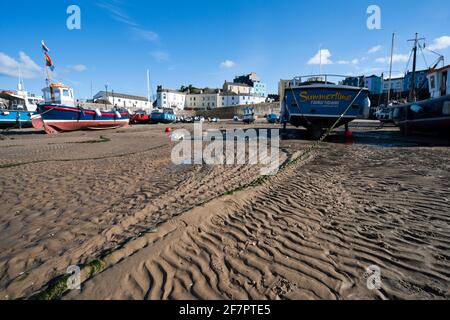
(331, 96)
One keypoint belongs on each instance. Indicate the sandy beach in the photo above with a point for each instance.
(144, 228)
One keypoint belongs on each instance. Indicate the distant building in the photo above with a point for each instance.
(396, 86)
(203, 100)
(353, 81)
(167, 98)
(238, 88)
(121, 100)
(373, 83)
(421, 80)
(257, 87)
(231, 99)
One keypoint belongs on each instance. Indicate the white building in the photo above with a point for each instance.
(397, 84)
(231, 99)
(203, 100)
(120, 100)
(167, 98)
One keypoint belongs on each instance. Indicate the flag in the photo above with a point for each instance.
(49, 62)
(44, 47)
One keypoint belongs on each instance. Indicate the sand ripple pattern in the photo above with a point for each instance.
(308, 234)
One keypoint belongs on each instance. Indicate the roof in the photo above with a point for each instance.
(121, 95)
(171, 91)
(440, 69)
(237, 84)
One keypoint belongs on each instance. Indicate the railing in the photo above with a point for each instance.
(318, 77)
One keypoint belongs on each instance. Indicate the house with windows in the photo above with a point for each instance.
(257, 87)
(231, 99)
(396, 85)
(203, 100)
(121, 100)
(238, 88)
(167, 98)
(373, 83)
(421, 80)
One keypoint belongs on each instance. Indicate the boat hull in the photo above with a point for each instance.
(15, 119)
(162, 118)
(55, 119)
(431, 115)
(140, 119)
(322, 107)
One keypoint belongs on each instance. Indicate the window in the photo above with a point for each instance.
(432, 82)
(66, 93)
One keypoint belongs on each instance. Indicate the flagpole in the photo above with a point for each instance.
(48, 80)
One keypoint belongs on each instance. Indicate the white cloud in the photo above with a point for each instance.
(440, 43)
(78, 68)
(227, 64)
(147, 35)
(10, 67)
(116, 12)
(347, 62)
(160, 56)
(374, 49)
(395, 58)
(322, 56)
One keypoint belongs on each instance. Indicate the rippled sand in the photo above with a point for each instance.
(173, 232)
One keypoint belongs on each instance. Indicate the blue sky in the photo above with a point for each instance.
(203, 42)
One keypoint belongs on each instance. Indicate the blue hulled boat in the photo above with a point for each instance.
(166, 115)
(17, 108)
(317, 104)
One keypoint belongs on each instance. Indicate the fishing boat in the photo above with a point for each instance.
(58, 113)
(433, 114)
(17, 107)
(165, 115)
(140, 117)
(317, 104)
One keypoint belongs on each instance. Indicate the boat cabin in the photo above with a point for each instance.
(57, 93)
(19, 100)
(438, 82)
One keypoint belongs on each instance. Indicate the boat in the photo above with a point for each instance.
(249, 116)
(273, 118)
(140, 117)
(58, 113)
(317, 104)
(165, 115)
(17, 107)
(433, 114)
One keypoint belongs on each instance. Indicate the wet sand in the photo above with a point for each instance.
(173, 232)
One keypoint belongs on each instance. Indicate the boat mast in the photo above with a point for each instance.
(390, 70)
(148, 85)
(412, 93)
(47, 72)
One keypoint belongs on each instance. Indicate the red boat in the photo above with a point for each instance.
(140, 118)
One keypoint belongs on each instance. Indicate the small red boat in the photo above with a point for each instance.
(140, 118)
